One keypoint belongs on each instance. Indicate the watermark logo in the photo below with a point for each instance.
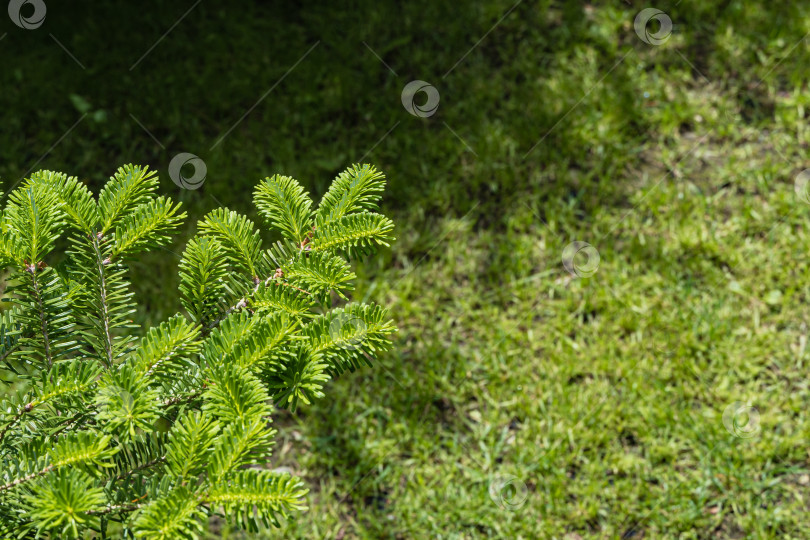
(580, 259)
(642, 26)
(114, 398)
(28, 14)
(802, 186)
(196, 180)
(348, 331)
(508, 492)
(741, 420)
(431, 104)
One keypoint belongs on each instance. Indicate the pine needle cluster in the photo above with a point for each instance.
(159, 432)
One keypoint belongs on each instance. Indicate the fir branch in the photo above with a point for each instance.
(358, 188)
(104, 314)
(116, 509)
(37, 294)
(238, 236)
(144, 466)
(129, 187)
(355, 234)
(67, 424)
(285, 205)
(14, 420)
(162, 431)
(27, 478)
(179, 400)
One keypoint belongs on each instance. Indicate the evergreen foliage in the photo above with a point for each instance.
(157, 433)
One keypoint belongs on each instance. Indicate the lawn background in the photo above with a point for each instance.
(604, 395)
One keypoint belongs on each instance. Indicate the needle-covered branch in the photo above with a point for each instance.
(160, 428)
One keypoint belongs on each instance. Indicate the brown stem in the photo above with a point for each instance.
(24, 479)
(182, 399)
(140, 468)
(105, 312)
(67, 423)
(43, 323)
(116, 509)
(8, 352)
(14, 420)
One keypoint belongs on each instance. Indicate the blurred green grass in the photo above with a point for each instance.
(603, 396)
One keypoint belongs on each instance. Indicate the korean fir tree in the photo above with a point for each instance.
(101, 430)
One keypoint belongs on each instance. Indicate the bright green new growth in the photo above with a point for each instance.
(159, 433)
